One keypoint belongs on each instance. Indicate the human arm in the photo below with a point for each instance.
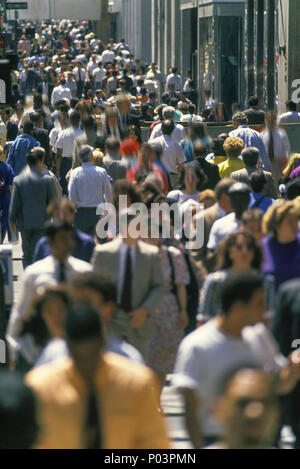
(192, 405)
(58, 161)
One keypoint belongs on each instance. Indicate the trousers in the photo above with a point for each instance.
(29, 241)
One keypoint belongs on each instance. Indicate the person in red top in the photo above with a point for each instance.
(147, 161)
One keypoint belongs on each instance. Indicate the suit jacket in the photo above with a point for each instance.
(167, 96)
(31, 196)
(114, 167)
(131, 119)
(147, 278)
(50, 89)
(147, 287)
(12, 131)
(42, 136)
(243, 176)
(128, 394)
(255, 116)
(211, 171)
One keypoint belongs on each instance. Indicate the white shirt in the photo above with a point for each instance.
(178, 133)
(122, 265)
(99, 74)
(89, 186)
(221, 229)
(80, 74)
(207, 355)
(172, 152)
(175, 80)
(66, 139)
(54, 134)
(60, 92)
(290, 117)
(91, 67)
(181, 197)
(41, 274)
(108, 56)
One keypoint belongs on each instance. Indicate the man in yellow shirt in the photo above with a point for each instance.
(93, 399)
(233, 147)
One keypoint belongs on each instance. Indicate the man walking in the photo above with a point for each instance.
(89, 186)
(33, 191)
(20, 148)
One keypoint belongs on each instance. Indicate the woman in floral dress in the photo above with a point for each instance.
(170, 316)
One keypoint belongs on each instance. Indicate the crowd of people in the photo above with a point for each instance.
(104, 316)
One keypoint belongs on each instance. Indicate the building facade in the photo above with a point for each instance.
(235, 48)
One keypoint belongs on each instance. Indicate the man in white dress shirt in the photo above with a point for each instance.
(172, 152)
(64, 149)
(80, 78)
(57, 268)
(89, 186)
(178, 133)
(61, 91)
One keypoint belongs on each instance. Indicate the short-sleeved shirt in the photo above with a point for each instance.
(207, 355)
(221, 229)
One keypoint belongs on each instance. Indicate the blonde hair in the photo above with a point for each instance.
(277, 213)
(233, 147)
(208, 194)
(98, 157)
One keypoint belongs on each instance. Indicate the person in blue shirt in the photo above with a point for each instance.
(6, 186)
(257, 181)
(197, 133)
(21, 147)
(84, 245)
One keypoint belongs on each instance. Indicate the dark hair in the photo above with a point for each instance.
(197, 130)
(113, 144)
(54, 227)
(239, 287)
(28, 127)
(224, 260)
(18, 413)
(89, 123)
(75, 119)
(217, 147)
(35, 117)
(35, 155)
(137, 132)
(167, 127)
(35, 324)
(83, 323)
(253, 101)
(257, 181)
(250, 156)
(103, 286)
(199, 173)
(199, 149)
(122, 186)
(291, 105)
(74, 102)
(223, 187)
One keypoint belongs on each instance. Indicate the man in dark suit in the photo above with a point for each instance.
(125, 117)
(40, 134)
(171, 94)
(33, 192)
(211, 170)
(12, 128)
(134, 267)
(256, 117)
(45, 87)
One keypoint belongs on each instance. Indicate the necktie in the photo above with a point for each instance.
(271, 147)
(92, 430)
(62, 278)
(127, 285)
